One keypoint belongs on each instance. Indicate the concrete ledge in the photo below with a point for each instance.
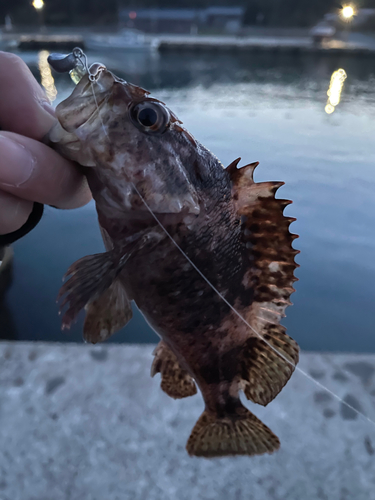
(81, 422)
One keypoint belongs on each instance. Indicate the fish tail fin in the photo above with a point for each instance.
(240, 434)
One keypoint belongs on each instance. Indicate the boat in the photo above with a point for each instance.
(322, 31)
(126, 39)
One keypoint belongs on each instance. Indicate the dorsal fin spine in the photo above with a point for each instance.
(233, 166)
(242, 175)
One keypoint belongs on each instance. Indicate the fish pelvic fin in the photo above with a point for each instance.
(240, 434)
(175, 381)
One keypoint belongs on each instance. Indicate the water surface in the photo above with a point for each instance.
(262, 107)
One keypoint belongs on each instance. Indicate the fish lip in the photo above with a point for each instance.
(100, 100)
(87, 94)
(99, 72)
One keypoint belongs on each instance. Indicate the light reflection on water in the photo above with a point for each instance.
(264, 107)
(46, 79)
(335, 88)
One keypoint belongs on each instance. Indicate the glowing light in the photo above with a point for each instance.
(47, 80)
(347, 12)
(335, 88)
(132, 14)
(38, 4)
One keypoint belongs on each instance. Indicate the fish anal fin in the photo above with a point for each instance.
(263, 371)
(242, 434)
(107, 314)
(175, 381)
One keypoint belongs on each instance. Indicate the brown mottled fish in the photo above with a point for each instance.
(141, 161)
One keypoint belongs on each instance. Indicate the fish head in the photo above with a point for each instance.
(131, 138)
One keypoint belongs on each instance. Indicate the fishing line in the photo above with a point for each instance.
(238, 314)
(97, 107)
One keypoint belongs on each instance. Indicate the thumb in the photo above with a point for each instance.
(24, 107)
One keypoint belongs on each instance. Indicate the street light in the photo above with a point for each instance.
(38, 4)
(347, 12)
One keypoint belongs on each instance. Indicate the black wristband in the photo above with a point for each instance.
(32, 221)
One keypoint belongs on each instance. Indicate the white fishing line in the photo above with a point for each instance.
(97, 107)
(297, 368)
(81, 56)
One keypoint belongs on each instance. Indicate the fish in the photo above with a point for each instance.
(204, 251)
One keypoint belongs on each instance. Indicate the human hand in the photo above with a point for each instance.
(30, 171)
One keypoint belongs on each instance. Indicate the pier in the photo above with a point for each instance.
(293, 45)
(56, 40)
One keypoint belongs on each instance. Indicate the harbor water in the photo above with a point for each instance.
(271, 108)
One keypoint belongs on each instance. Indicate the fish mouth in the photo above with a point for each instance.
(86, 100)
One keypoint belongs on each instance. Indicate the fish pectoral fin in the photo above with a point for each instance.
(263, 371)
(240, 434)
(175, 381)
(107, 314)
(89, 278)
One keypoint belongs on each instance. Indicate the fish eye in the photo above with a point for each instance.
(150, 117)
(147, 117)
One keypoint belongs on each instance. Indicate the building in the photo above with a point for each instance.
(228, 19)
(361, 17)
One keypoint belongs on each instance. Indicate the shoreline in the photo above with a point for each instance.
(59, 39)
(261, 44)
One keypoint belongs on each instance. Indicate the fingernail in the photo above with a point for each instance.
(16, 164)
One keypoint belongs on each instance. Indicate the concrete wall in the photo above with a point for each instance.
(82, 422)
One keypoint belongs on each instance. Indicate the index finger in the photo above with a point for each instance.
(24, 107)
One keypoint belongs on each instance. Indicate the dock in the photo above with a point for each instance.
(292, 45)
(50, 42)
(41, 41)
(60, 40)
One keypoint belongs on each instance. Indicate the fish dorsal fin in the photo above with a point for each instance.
(270, 274)
(241, 177)
(232, 168)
